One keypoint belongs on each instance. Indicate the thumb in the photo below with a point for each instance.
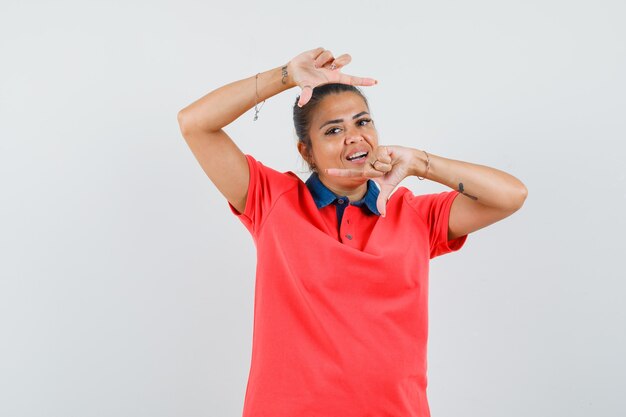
(381, 201)
(305, 95)
(383, 196)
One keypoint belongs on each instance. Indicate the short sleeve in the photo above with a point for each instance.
(434, 209)
(265, 187)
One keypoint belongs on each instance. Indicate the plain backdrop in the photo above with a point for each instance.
(127, 284)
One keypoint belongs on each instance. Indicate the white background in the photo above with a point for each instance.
(127, 284)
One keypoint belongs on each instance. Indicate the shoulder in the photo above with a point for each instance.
(264, 172)
(425, 205)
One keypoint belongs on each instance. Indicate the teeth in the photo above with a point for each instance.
(356, 155)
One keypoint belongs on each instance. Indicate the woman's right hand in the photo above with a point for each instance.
(317, 67)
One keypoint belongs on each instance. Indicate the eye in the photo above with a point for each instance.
(331, 131)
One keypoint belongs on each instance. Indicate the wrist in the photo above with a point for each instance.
(287, 72)
(419, 163)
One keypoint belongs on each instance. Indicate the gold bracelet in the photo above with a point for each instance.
(427, 166)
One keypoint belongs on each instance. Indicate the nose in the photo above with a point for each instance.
(353, 137)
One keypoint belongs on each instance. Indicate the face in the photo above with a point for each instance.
(341, 126)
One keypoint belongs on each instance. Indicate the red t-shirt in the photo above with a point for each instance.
(340, 324)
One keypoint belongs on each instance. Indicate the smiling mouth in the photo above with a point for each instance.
(359, 157)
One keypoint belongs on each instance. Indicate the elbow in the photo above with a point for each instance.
(183, 122)
(524, 192)
(520, 197)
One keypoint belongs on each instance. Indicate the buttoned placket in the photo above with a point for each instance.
(344, 209)
(323, 196)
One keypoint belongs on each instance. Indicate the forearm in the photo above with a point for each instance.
(225, 104)
(485, 185)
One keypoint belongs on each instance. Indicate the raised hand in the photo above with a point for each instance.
(388, 166)
(317, 67)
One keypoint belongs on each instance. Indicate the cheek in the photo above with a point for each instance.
(331, 150)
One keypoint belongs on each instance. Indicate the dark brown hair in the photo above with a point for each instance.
(302, 115)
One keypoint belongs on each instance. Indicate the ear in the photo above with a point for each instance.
(304, 152)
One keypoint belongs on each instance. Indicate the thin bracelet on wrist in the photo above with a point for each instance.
(427, 166)
(256, 86)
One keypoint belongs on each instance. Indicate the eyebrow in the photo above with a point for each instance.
(341, 120)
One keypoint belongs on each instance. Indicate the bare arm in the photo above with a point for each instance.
(222, 106)
(202, 121)
(489, 195)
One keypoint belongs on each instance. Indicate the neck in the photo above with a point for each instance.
(353, 194)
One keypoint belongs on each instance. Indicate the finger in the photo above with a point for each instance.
(323, 58)
(381, 166)
(373, 172)
(331, 65)
(379, 162)
(343, 172)
(382, 154)
(352, 80)
(383, 196)
(344, 59)
(305, 95)
(339, 62)
(381, 204)
(317, 51)
(353, 173)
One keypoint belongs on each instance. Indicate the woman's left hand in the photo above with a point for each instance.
(388, 166)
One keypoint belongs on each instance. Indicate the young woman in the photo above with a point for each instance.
(341, 294)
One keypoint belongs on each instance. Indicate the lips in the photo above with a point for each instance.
(357, 151)
(359, 161)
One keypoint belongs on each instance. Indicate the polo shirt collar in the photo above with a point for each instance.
(323, 196)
